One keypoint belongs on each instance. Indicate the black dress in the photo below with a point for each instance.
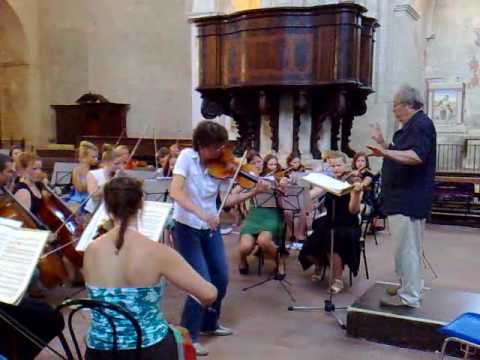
(347, 234)
(35, 202)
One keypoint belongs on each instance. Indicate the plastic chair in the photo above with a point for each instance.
(464, 330)
(101, 307)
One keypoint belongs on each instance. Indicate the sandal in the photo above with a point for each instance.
(337, 286)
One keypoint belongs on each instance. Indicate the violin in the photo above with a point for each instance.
(52, 269)
(225, 167)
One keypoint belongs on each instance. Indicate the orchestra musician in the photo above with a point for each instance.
(111, 162)
(262, 226)
(87, 157)
(175, 149)
(124, 152)
(162, 159)
(33, 314)
(361, 169)
(126, 268)
(28, 189)
(294, 163)
(169, 165)
(316, 250)
(196, 233)
(14, 153)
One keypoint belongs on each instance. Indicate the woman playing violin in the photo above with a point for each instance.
(347, 233)
(294, 163)
(88, 157)
(28, 189)
(361, 169)
(196, 233)
(111, 162)
(262, 226)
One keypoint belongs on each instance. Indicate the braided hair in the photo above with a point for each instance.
(123, 200)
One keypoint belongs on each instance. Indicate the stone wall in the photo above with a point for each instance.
(453, 53)
(135, 52)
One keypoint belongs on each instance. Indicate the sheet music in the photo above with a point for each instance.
(151, 222)
(20, 250)
(10, 222)
(328, 183)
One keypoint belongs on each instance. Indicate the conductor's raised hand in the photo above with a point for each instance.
(376, 134)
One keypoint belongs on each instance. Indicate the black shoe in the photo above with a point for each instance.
(244, 271)
(279, 277)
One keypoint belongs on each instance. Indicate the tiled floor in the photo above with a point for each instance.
(264, 329)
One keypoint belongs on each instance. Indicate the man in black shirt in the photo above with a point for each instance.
(408, 174)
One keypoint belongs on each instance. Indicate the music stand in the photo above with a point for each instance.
(329, 305)
(157, 189)
(292, 200)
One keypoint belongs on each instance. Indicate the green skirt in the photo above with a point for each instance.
(262, 219)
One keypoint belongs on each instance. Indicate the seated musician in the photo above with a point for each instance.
(162, 159)
(28, 189)
(14, 153)
(87, 157)
(261, 227)
(111, 163)
(175, 149)
(169, 165)
(35, 315)
(294, 163)
(316, 250)
(6, 172)
(126, 268)
(361, 169)
(299, 222)
(124, 152)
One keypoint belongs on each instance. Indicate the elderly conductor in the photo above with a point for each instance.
(408, 176)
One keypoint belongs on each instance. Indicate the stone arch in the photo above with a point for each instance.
(14, 73)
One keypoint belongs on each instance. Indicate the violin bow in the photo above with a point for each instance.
(74, 213)
(232, 181)
(155, 147)
(147, 126)
(124, 131)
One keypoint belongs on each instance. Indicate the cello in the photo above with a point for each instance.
(59, 219)
(51, 267)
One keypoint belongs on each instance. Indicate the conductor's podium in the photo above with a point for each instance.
(405, 327)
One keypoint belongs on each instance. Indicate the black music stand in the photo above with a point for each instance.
(329, 305)
(290, 201)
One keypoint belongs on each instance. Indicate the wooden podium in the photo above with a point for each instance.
(89, 119)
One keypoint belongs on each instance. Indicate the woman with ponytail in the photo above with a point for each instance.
(125, 268)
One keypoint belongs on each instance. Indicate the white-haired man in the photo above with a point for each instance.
(408, 174)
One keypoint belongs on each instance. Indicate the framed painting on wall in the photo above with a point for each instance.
(445, 104)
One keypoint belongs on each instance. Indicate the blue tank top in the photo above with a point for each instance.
(142, 303)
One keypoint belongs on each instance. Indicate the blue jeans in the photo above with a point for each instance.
(204, 251)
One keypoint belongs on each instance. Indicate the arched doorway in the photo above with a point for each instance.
(13, 74)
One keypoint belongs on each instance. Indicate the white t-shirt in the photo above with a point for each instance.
(101, 179)
(200, 187)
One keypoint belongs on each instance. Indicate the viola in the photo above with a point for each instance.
(225, 167)
(52, 269)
